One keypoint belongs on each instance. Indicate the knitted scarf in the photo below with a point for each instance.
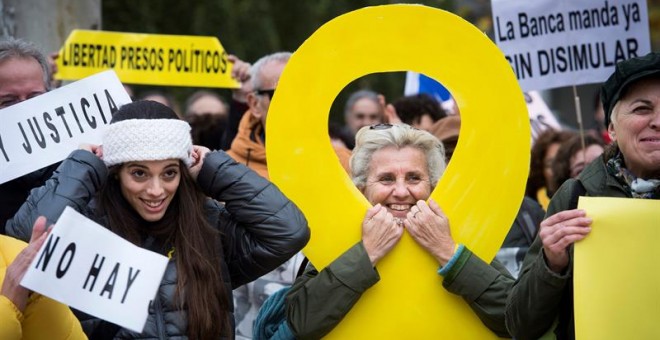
(638, 187)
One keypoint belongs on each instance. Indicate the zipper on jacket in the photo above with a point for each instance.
(158, 314)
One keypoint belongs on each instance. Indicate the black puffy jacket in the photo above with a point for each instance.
(261, 229)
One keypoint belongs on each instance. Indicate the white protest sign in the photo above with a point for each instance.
(540, 116)
(87, 267)
(554, 43)
(45, 129)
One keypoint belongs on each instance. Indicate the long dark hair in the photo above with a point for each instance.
(184, 228)
(536, 179)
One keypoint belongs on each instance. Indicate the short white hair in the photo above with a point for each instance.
(255, 70)
(369, 140)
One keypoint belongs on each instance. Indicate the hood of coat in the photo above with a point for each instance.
(248, 147)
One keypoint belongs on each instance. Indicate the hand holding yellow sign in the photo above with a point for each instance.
(480, 192)
(152, 59)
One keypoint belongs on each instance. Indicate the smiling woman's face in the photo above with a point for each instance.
(150, 186)
(397, 179)
(636, 128)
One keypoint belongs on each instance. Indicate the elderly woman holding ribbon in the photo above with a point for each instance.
(630, 167)
(396, 167)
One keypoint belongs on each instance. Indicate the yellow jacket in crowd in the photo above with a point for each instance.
(43, 318)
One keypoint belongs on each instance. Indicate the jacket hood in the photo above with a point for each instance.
(248, 147)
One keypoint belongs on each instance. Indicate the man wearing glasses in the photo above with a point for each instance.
(248, 147)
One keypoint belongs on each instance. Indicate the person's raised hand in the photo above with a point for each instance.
(240, 72)
(558, 232)
(15, 272)
(380, 232)
(198, 154)
(429, 227)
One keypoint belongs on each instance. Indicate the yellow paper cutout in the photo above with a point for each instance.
(150, 59)
(616, 279)
(481, 190)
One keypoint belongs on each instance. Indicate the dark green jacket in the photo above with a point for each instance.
(312, 311)
(540, 297)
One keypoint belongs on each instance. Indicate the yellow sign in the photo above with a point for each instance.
(616, 278)
(481, 190)
(148, 59)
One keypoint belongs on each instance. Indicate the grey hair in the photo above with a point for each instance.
(368, 141)
(615, 113)
(257, 67)
(355, 96)
(19, 48)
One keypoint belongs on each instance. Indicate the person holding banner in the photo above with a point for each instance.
(24, 315)
(541, 300)
(150, 185)
(396, 167)
(248, 146)
(23, 75)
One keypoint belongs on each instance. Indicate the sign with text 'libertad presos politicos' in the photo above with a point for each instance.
(148, 59)
(88, 267)
(45, 129)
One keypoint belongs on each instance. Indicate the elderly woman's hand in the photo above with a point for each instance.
(11, 287)
(429, 226)
(558, 232)
(380, 233)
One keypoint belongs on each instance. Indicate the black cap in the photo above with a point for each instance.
(625, 73)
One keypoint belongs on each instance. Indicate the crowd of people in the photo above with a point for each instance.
(194, 186)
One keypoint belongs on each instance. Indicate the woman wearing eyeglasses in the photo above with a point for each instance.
(396, 167)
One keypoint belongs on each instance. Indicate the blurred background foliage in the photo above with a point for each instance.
(253, 28)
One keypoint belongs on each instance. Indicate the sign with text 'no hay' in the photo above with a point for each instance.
(87, 267)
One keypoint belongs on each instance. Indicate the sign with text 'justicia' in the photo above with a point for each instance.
(554, 43)
(113, 280)
(149, 59)
(45, 129)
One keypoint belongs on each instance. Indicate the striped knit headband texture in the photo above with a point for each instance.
(147, 140)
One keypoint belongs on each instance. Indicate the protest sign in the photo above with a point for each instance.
(552, 43)
(150, 59)
(45, 129)
(616, 292)
(540, 116)
(113, 280)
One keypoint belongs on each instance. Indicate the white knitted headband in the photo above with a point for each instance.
(147, 140)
